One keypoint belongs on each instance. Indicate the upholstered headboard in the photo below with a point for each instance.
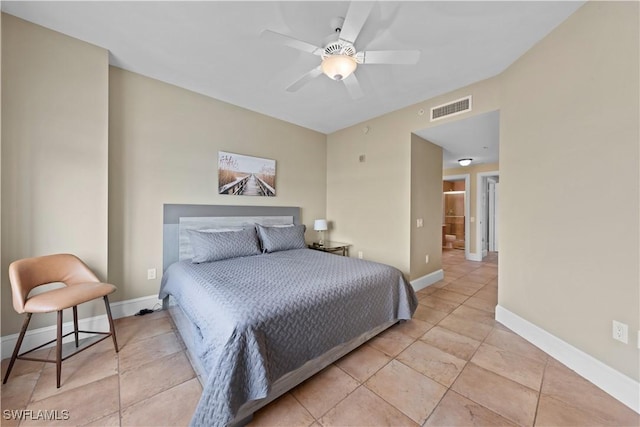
(179, 218)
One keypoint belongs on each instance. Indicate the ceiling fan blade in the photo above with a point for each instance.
(291, 42)
(390, 56)
(304, 79)
(356, 17)
(353, 87)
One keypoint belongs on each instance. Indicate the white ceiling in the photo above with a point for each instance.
(476, 137)
(214, 48)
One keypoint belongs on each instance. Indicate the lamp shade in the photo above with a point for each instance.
(338, 67)
(465, 162)
(320, 225)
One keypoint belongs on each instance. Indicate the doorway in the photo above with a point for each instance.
(489, 213)
(455, 213)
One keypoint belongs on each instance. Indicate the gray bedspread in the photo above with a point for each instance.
(262, 316)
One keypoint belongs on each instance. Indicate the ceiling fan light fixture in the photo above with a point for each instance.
(465, 162)
(338, 67)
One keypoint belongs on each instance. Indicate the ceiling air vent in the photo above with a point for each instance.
(458, 106)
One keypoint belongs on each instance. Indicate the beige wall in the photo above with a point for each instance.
(569, 170)
(91, 154)
(369, 203)
(54, 153)
(472, 171)
(426, 204)
(569, 166)
(1, 251)
(569, 114)
(163, 148)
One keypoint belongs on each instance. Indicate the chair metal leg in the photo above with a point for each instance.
(16, 350)
(112, 327)
(75, 323)
(59, 336)
(59, 349)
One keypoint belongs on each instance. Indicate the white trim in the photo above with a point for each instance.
(132, 306)
(467, 209)
(480, 219)
(427, 280)
(474, 257)
(494, 214)
(35, 337)
(613, 382)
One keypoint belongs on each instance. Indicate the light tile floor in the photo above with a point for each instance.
(452, 365)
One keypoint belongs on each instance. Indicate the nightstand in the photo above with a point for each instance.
(332, 247)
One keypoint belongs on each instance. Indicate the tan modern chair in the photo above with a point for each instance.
(81, 285)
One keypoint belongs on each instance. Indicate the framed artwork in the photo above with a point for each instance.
(246, 175)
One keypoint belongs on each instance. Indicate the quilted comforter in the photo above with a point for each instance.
(262, 316)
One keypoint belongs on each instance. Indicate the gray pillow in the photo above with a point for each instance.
(209, 246)
(276, 239)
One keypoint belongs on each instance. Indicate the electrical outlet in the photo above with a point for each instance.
(360, 254)
(151, 274)
(426, 259)
(620, 332)
(419, 223)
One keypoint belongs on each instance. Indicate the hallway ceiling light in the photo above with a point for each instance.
(465, 162)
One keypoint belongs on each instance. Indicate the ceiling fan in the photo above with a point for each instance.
(340, 57)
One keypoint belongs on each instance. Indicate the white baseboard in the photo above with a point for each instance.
(36, 337)
(428, 280)
(475, 257)
(618, 385)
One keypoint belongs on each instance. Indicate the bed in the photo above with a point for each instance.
(257, 324)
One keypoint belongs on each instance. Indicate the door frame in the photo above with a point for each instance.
(482, 194)
(467, 208)
(494, 200)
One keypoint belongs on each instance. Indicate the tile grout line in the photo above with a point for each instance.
(119, 391)
(33, 391)
(419, 339)
(474, 353)
(419, 373)
(389, 362)
(544, 373)
(300, 403)
(34, 388)
(363, 383)
(450, 389)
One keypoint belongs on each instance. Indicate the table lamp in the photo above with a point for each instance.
(321, 226)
